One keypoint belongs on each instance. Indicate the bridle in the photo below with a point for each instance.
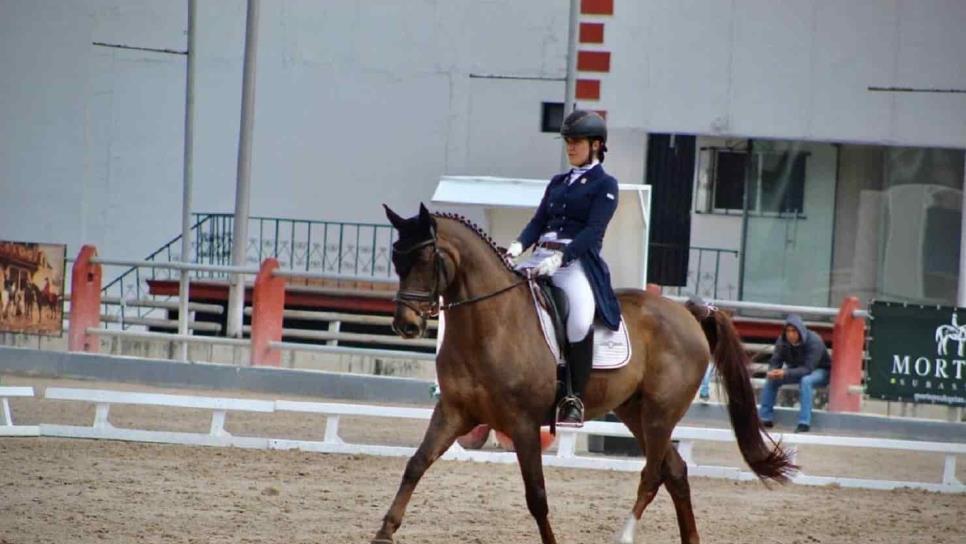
(426, 303)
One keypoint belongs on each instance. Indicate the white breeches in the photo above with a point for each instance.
(574, 282)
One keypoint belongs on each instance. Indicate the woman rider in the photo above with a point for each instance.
(568, 230)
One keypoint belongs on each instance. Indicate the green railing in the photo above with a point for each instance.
(357, 249)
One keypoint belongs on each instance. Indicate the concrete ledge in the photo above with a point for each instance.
(85, 366)
(841, 423)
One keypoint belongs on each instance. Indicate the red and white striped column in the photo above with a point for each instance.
(593, 55)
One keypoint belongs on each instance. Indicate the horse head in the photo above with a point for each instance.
(422, 271)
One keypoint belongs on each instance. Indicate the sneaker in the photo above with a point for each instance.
(802, 428)
(767, 424)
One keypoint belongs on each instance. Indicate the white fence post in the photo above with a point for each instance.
(332, 430)
(7, 420)
(949, 471)
(334, 327)
(218, 424)
(100, 416)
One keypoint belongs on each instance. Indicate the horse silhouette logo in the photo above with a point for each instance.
(946, 333)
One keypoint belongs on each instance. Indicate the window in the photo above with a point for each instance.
(777, 182)
(551, 116)
(729, 180)
(780, 182)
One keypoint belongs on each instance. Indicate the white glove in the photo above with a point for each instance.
(515, 249)
(549, 265)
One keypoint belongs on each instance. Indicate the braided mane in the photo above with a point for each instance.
(483, 236)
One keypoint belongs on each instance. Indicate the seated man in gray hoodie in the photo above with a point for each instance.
(800, 357)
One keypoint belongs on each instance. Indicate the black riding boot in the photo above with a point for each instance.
(580, 360)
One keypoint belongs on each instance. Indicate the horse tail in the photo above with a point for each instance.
(768, 461)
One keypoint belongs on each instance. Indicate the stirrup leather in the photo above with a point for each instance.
(567, 403)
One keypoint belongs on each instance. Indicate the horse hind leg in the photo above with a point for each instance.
(663, 466)
(676, 481)
(444, 426)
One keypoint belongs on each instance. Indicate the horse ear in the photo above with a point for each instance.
(426, 218)
(393, 217)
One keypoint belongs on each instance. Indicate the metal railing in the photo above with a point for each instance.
(712, 272)
(298, 339)
(354, 251)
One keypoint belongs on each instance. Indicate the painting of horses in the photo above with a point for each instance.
(32, 287)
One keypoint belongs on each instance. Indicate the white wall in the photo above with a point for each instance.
(360, 103)
(357, 103)
(792, 69)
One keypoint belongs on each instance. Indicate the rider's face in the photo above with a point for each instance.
(578, 150)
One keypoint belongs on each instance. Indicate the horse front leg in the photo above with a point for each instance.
(445, 425)
(526, 442)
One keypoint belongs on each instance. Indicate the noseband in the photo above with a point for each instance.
(417, 300)
(426, 303)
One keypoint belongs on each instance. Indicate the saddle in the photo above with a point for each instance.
(612, 349)
(554, 301)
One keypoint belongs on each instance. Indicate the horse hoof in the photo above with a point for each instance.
(381, 541)
(628, 532)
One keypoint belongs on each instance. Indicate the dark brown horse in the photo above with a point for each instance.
(494, 368)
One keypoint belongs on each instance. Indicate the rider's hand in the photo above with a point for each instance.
(549, 265)
(515, 249)
(776, 374)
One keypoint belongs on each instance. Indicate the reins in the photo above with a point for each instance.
(412, 299)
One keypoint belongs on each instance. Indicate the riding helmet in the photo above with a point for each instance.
(584, 124)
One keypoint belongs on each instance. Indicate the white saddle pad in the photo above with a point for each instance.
(612, 349)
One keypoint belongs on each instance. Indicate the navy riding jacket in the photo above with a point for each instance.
(580, 212)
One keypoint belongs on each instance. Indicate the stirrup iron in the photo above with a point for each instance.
(568, 402)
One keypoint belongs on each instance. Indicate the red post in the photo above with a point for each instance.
(85, 302)
(848, 343)
(268, 304)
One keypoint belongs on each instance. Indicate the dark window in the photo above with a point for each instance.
(551, 116)
(729, 180)
(777, 181)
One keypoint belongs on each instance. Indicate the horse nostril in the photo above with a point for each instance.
(410, 329)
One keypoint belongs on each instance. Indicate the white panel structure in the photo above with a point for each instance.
(509, 204)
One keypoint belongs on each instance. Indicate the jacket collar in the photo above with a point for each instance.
(590, 175)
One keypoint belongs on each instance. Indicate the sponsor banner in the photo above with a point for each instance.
(917, 353)
(32, 287)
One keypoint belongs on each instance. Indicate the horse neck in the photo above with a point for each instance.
(480, 272)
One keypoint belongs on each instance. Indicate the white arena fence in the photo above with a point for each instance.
(565, 455)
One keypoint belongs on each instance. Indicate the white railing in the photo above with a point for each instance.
(565, 456)
(7, 427)
(775, 308)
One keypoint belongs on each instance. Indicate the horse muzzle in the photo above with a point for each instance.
(409, 328)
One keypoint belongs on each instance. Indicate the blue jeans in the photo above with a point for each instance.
(705, 390)
(806, 388)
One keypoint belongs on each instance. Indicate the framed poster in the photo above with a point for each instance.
(32, 287)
